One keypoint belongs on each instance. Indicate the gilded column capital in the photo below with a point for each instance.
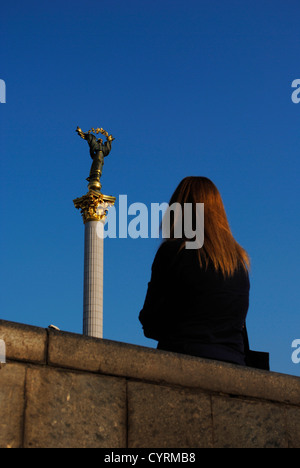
(94, 206)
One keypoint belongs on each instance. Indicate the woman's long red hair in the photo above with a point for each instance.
(219, 247)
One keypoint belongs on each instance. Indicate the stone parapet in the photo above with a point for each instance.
(60, 389)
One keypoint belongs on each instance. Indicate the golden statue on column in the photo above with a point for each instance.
(94, 206)
(90, 203)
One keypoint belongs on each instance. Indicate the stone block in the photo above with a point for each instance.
(248, 424)
(12, 384)
(23, 342)
(121, 359)
(293, 426)
(106, 356)
(73, 410)
(165, 417)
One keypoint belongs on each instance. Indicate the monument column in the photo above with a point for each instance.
(93, 208)
(93, 281)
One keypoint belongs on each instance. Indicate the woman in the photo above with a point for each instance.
(197, 300)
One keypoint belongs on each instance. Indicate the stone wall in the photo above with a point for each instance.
(60, 389)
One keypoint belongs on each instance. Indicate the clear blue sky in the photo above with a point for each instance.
(201, 87)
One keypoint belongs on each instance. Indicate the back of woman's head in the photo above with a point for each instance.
(220, 248)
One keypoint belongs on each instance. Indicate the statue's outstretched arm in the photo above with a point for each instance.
(80, 133)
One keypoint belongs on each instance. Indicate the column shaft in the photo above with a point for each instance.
(93, 280)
